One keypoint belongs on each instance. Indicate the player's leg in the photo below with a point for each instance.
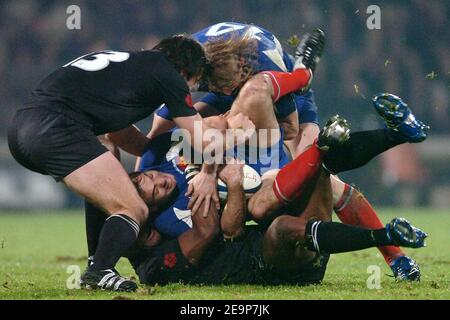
(351, 207)
(255, 101)
(264, 205)
(343, 238)
(69, 151)
(354, 209)
(307, 56)
(287, 185)
(95, 219)
(104, 183)
(94, 216)
(362, 147)
(352, 153)
(289, 239)
(308, 132)
(97, 211)
(291, 181)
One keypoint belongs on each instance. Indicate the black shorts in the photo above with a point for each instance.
(51, 143)
(237, 262)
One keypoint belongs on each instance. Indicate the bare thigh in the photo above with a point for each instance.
(105, 183)
(255, 101)
(308, 132)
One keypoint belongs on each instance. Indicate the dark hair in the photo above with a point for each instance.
(185, 54)
(161, 206)
(133, 176)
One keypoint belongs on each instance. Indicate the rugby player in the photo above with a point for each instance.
(298, 80)
(129, 144)
(232, 54)
(176, 219)
(293, 249)
(55, 133)
(275, 86)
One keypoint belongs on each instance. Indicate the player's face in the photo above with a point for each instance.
(155, 187)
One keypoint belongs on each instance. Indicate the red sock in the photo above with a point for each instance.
(287, 82)
(291, 180)
(354, 209)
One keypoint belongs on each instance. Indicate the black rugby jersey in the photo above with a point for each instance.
(112, 90)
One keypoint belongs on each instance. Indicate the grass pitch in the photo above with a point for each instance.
(37, 251)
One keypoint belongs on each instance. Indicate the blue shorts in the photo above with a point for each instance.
(305, 105)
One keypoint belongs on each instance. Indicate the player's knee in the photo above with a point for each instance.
(258, 213)
(290, 229)
(262, 205)
(337, 188)
(277, 227)
(256, 89)
(257, 209)
(216, 122)
(138, 212)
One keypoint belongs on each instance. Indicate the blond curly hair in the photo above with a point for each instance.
(232, 62)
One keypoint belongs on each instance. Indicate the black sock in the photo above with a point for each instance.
(333, 237)
(360, 149)
(118, 235)
(95, 219)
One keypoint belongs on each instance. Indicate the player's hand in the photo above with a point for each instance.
(232, 174)
(242, 123)
(203, 188)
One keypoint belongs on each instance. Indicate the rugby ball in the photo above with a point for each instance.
(251, 183)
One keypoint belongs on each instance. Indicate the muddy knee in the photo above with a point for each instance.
(256, 89)
(138, 212)
(261, 209)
